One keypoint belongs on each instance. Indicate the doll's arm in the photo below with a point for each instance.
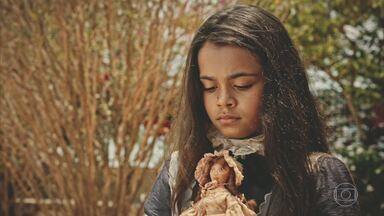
(158, 200)
(235, 207)
(251, 203)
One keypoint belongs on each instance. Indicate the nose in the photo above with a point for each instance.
(225, 99)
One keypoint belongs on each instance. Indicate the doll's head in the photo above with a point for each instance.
(220, 171)
(221, 167)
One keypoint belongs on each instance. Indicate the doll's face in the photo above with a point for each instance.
(220, 171)
(233, 85)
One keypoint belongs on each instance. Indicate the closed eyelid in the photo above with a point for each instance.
(238, 82)
(240, 87)
(233, 75)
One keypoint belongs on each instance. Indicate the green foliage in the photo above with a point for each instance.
(366, 163)
(341, 44)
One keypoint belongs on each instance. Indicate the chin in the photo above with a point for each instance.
(233, 133)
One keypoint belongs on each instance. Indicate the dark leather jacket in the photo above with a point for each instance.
(336, 192)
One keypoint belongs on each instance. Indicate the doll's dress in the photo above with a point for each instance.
(217, 201)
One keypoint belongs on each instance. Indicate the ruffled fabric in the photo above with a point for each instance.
(218, 201)
(237, 208)
(239, 147)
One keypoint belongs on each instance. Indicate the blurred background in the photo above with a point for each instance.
(88, 93)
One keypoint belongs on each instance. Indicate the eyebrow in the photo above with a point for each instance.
(231, 76)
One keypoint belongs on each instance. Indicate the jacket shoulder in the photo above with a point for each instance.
(336, 190)
(321, 162)
(158, 200)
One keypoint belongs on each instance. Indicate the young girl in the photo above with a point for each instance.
(245, 90)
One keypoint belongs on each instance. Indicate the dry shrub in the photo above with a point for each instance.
(87, 90)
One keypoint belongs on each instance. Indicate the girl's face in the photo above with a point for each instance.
(233, 88)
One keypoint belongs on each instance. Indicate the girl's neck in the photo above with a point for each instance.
(248, 137)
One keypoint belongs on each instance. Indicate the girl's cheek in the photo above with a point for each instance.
(209, 101)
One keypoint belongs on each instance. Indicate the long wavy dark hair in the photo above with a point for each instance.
(290, 119)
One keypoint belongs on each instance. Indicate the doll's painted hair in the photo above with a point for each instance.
(290, 119)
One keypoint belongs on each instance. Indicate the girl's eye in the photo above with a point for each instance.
(209, 89)
(243, 87)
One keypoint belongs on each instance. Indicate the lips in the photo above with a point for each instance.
(228, 119)
(227, 116)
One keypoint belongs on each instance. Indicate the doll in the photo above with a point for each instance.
(219, 175)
